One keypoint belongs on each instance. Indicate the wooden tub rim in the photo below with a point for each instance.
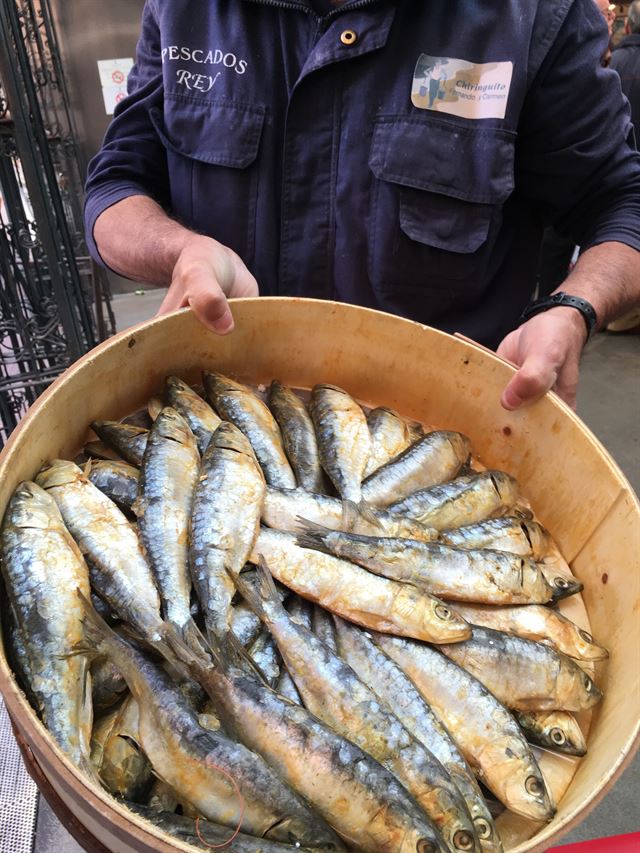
(20, 709)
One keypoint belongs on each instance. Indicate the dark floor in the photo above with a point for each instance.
(609, 403)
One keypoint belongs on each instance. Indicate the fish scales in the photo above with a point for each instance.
(358, 797)
(128, 440)
(344, 442)
(354, 593)
(286, 509)
(523, 674)
(198, 763)
(119, 571)
(168, 478)
(433, 459)
(224, 523)
(390, 435)
(390, 683)
(43, 571)
(202, 420)
(117, 480)
(332, 691)
(236, 403)
(492, 577)
(483, 729)
(515, 535)
(298, 437)
(541, 624)
(466, 500)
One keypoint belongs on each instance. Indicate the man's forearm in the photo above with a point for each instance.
(137, 239)
(608, 276)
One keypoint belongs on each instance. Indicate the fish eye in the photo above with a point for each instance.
(561, 583)
(586, 636)
(463, 840)
(426, 846)
(443, 612)
(557, 736)
(588, 684)
(534, 786)
(482, 828)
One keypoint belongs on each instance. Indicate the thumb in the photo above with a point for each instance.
(210, 306)
(536, 376)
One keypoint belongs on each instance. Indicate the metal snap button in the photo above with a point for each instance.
(348, 37)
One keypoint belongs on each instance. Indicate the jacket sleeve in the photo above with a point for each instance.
(132, 160)
(576, 161)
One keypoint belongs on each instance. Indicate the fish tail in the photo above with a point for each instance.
(265, 594)
(95, 630)
(312, 535)
(186, 643)
(353, 512)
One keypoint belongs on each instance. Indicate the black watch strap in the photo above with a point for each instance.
(567, 300)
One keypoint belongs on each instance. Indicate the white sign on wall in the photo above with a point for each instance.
(113, 79)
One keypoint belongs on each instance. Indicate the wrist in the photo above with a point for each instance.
(576, 305)
(574, 321)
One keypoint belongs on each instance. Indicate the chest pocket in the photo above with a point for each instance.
(212, 149)
(436, 209)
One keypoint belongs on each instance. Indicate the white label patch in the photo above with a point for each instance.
(461, 88)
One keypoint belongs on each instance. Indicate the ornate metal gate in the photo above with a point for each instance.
(52, 299)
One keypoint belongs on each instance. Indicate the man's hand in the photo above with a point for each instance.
(206, 274)
(547, 350)
(136, 238)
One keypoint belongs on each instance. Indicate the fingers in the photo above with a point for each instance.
(173, 300)
(536, 376)
(205, 274)
(210, 306)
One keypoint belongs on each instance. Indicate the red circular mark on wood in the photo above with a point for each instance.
(506, 430)
(605, 577)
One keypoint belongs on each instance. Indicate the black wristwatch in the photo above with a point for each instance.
(564, 299)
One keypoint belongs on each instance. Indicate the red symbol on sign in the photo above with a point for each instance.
(120, 97)
(118, 77)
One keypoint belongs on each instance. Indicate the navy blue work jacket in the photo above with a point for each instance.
(400, 155)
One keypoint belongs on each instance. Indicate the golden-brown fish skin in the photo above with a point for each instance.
(190, 758)
(119, 570)
(390, 435)
(486, 733)
(433, 459)
(524, 675)
(358, 797)
(466, 500)
(284, 508)
(224, 522)
(332, 691)
(298, 437)
(117, 480)
(555, 730)
(127, 440)
(168, 478)
(124, 770)
(43, 571)
(344, 443)
(355, 594)
(202, 420)
(238, 404)
(541, 624)
(493, 577)
(390, 683)
(515, 535)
